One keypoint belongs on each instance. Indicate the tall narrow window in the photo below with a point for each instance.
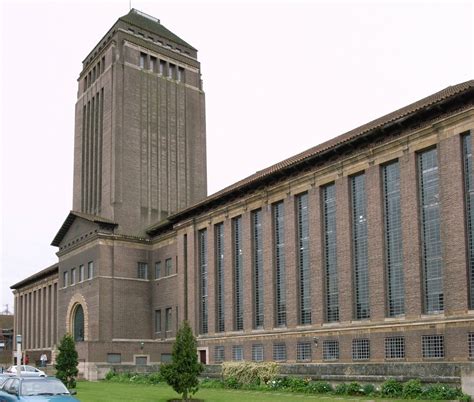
(65, 278)
(90, 269)
(171, 71)
(238, 275)
(168, 313)
(142, 60)
(469, 194)
(73, 276)
(279, 250)
(203, 313)
(78, 329)
(330, 253)
(81, 273)
(393, 239)
(431, 250)
(152, 63)
(168, 266)
(359, 243)
(219, 247)
(180, 74)
(257, 250)
(303, 259)
(157, 269)
(162, 67)
(157, 321)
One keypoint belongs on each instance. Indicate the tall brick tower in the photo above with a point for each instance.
(140, 138)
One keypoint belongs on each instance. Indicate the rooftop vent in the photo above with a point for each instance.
(145, 15)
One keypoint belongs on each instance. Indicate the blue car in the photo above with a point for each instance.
(35, 389)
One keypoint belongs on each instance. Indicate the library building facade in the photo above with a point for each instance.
(352, 258)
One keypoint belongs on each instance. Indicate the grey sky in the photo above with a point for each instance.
(279, 76)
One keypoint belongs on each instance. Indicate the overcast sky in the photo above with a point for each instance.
(279, 76)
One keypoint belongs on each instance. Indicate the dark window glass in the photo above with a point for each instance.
(157, 320)
(238, 274)
(470, 341)
(279, 352)
(432, 346)
(157, 269)
(395, 347)
(90, 269)
(237, 353)
(203, 308)
(65, 278)
(469, 196)
(219, 354)
(431, 250)
(142, 60)
(360, 349)
(280, 272)
(360, 251)
(257, 353)
(114, 358)
(78, 324)
(219, 246)
(141, 360)
(303, 351)
(393, 239)
(330, 252)
(257, 249)
(168, 266)
(81, 273)
(303, 259)
(168, 319)
(142, 270)
(331, 350)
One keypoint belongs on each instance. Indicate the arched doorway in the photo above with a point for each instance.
(78, 324)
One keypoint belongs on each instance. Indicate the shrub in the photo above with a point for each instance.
(391, 388)
(441, 392)
(412, 389)
(319, 387)
(296, 384)
(66, 363)
(250, 373)
(232, 382)
(211, 383)
(341, 389)
(182, 373)
(354, 388)
(368, 389)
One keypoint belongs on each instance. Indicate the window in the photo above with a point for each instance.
(142, 60)
(331, 350)
(152, 63)
(171, 71)
(280, 272)
(85, 82)
(103, 64)
(393, 239)
(157, 269)
(238, 274)
(90, 269)
(142, 270)
(162, 67)
(168, 319)
(166, 358)
(73, 276)
(470, 341)
(432, 346)
(360, 349)
(395, 347)
(304, 284)
(203, 299)
(157, 321)
(237, 353)
(330, 253)
(78, 324)
(81, 273)
(180, 74)
(279, 352)
(469, 202)
(303, 351)
(65, 278)
(219, 247)
(218, 354)
(168, 266)
(114, 358)
(257, 259)
(431, 247)
(257, 353)
(359, 244)
(141, 360)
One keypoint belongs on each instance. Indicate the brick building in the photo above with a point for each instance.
(356, 255)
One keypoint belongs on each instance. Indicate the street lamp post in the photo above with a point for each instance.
(18, 355)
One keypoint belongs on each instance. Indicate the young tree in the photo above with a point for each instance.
(66, 362)
(182, 373)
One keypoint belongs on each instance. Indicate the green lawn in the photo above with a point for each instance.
(109, 391)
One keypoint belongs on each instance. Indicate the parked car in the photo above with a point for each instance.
(3, 378)
(48, 389)
(27, 371)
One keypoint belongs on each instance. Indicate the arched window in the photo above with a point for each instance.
(78, 324)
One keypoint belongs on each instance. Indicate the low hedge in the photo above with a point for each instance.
(263, 377)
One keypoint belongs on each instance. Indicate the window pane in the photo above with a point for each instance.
(303, 259)
(238, 274)
(203, 308)
(257, 249)
(280, 272)
(219, 246)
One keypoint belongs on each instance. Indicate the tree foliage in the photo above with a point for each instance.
(182, 373)
(66, 362)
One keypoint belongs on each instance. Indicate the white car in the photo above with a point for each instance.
(27, 371)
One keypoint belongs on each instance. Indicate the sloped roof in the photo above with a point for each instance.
(51, 270)
(70, 220)
(396, 117)
(151, 24)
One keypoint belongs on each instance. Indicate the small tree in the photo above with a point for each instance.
(66, 362)
(182, 373)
